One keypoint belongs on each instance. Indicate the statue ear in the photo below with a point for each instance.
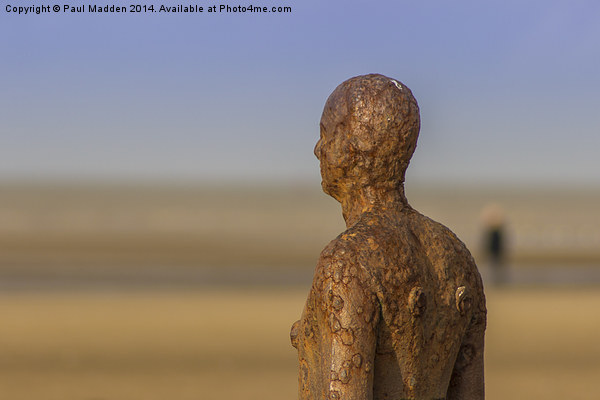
(364, 136)
(349, 151)
(358, 161)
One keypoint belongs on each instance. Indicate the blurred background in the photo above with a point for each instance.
(161, 212)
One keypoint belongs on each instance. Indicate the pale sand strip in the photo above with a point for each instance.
(233, 344)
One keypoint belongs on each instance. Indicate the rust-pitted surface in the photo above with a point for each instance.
(396, 309)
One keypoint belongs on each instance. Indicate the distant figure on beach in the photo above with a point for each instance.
(492, 218)
(396, 309)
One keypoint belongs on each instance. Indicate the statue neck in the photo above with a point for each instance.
(371, 199)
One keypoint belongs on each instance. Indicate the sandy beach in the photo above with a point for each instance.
(226, 343)
(154, 293)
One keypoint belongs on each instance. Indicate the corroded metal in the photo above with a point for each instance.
(396, 309)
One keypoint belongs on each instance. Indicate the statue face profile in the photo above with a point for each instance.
(369, 129)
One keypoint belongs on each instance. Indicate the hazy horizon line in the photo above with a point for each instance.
(295, 182)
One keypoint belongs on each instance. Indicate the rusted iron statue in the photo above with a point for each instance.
(396, 309)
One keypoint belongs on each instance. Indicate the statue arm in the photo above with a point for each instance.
(467, 382)
(350, 336)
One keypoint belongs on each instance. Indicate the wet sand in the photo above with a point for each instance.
(202, 278)
(174, 236)
(107, 226)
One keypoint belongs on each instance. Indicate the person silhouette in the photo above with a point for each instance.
(396, 309)
(493, 220)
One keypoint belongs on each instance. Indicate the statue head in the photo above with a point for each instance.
(369, 131)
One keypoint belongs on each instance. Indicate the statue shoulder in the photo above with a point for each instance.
(440, 240)
(343, 286)
(340, 260)
(449, 255)
(349, 245)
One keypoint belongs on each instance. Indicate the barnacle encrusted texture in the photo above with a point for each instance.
(396, 309)
(377, 125)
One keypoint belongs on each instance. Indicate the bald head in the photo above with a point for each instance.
(369, 131)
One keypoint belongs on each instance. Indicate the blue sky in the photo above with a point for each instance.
(508, 90)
